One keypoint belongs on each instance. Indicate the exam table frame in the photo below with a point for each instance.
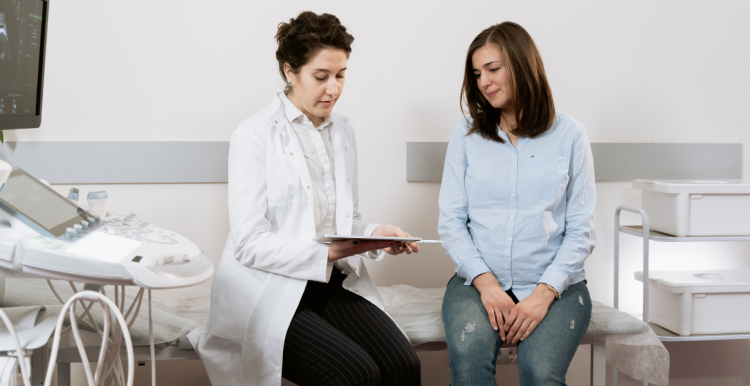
(68, 355)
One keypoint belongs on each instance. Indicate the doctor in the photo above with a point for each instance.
(282, 304)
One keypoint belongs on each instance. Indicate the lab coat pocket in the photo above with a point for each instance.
(545, 177)
(282, 182)
(235, 293)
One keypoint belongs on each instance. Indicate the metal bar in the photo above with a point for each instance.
(637, 230)
(63, 374)
(39, 360)
(645, 263)
(617, 258)
(646, 235)
(598, 362)
(141, 353)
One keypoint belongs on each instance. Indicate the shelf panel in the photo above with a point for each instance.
(669, 336)
(637, 230)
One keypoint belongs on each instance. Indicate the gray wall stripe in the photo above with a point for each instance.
(120, 162)
(206, 162)
(678, 161)
(613, 161)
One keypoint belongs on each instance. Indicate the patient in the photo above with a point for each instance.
(516, 217)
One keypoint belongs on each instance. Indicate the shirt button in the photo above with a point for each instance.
(346, 147)
(512, 217)
(514, 153)
(514, 173)
(509, 239)
(513, 195)
(507, 262)
(347, 180)
(291, 154)
(348, 215)
(308, 186)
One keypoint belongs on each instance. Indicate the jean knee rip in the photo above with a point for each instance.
(469, 328)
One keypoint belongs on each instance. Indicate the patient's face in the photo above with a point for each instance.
(492, 76)
(319, 83)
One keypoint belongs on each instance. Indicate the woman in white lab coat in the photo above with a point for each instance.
(282, 304)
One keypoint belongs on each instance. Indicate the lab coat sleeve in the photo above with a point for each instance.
(359, 227)
(454, 210)
(579, 238)
(255, 245)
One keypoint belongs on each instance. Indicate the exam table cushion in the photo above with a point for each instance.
(418, 312)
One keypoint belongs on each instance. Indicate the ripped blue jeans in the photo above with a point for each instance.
(543, 358)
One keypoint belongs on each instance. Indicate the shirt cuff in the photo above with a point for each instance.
(323, 267)
(377, 254)
(329, 270)
(472, 268)
(557, 279)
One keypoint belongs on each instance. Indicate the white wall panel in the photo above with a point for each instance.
(637, 71)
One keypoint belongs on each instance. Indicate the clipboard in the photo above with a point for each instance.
(327, 239)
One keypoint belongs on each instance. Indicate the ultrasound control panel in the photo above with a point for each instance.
(49, 237)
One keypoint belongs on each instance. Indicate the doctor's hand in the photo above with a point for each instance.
(394, 231)
(528, 313)
(497, 303)
(341, 249)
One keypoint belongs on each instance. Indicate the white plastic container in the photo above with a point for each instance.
(700, 302)
(697, 208)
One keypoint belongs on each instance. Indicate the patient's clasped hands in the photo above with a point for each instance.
(341, 249)
(514, 321)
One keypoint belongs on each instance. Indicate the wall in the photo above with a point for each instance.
(639, 71)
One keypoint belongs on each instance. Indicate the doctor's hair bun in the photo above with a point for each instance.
(304, 36)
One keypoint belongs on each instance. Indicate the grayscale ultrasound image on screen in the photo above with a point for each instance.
(4, 43)
(20, 49)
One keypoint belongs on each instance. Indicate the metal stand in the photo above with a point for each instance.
(647, 234)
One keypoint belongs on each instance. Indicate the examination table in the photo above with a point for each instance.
(614, 336)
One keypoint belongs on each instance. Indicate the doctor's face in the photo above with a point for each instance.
(492, 76)
(319, 83)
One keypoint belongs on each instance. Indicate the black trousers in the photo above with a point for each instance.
(338, 338)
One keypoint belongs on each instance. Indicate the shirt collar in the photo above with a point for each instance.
(293, 113)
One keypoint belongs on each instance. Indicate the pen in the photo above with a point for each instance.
(429, 241)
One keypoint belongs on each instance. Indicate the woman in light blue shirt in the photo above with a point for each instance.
(516, 217)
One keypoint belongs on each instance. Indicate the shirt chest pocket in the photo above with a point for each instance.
(545, 177)
(282, 183)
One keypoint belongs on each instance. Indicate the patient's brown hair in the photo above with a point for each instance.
(531, 95)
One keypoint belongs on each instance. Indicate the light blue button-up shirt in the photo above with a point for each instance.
(524, 213)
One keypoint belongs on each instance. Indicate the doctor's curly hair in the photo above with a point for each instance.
(306, 35)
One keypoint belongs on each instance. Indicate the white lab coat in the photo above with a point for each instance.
(269, 255)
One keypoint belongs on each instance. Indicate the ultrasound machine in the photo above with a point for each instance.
(45, 235)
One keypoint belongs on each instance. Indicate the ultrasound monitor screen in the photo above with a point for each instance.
(21, 40)
(28, 197)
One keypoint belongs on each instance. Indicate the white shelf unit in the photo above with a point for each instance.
(647, 235)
